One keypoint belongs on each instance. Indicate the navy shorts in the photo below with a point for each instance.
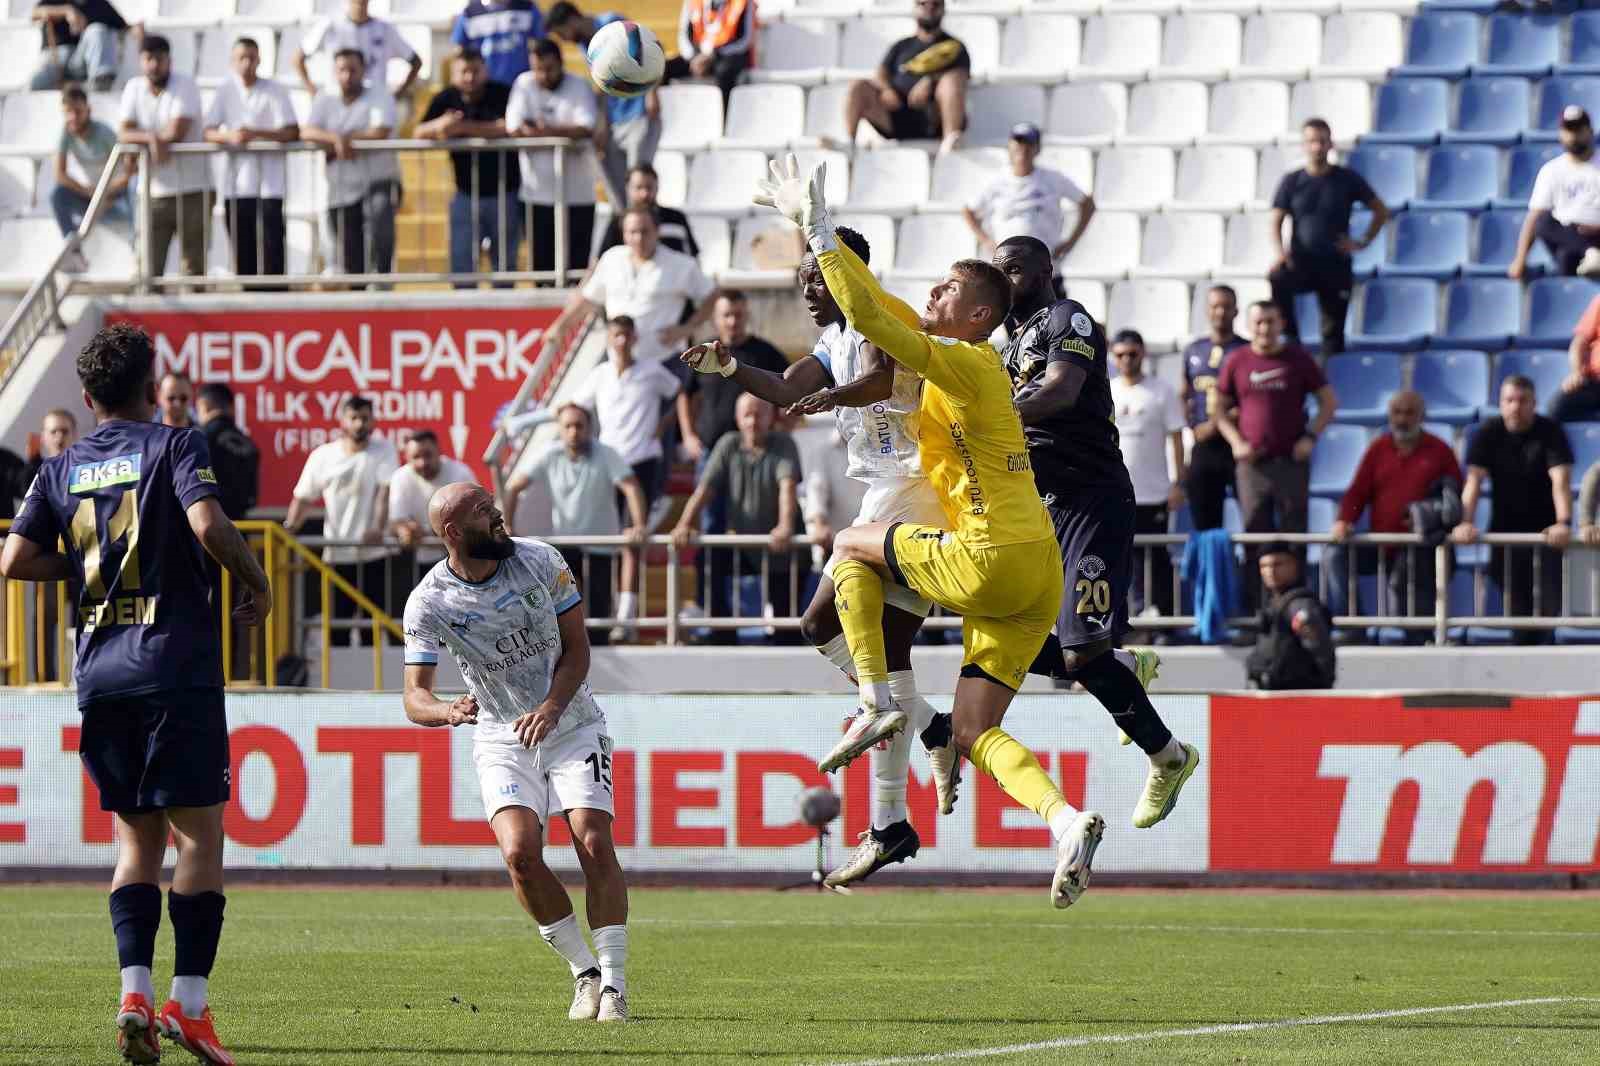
(164, 749)
(1095, 530)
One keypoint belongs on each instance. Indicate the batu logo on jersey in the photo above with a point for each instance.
(123, 470)
(533, 597)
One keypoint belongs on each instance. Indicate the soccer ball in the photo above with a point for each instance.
(625, 59)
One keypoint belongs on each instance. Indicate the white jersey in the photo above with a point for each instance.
(880, 440)
(504, 636)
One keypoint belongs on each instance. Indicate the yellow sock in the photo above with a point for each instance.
(1001, 756)
(858, 595)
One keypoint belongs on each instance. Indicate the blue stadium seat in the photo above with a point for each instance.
(1441, 44)
(1364, 381)
(1554, 96)
(1481, 313)
(1583, 54)
(1522, 166)
(1454, 384)
(1459, 177)
(1367, 262)
(1585, 440)
(1490, 111)
(1554, 307)
(1521, 46)
(1396, 314)
(1320, 513)
(1482, 7)
(1427, 244)
(1334, 462)
(1545, 366)
(1308, 317)
(1412, 111)
(1497, 245)
(1391, 170)
(1576, 635)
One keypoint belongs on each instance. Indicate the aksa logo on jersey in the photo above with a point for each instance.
(123, 470)
(1083, 348)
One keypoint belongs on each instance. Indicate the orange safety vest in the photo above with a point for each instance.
(716, 22)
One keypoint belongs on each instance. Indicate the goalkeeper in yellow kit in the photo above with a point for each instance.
(997, 564)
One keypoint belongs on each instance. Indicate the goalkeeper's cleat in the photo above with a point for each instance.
(945, 762)
(613, 1006)
(1162, 786)
(197, 1036)
(1074, 857)
(585, 997)
(866, 729)
(137, 1033)
(878, 848)
(1146, 667)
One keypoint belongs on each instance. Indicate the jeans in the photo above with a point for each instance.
(363, 232)
(1567, 246)
(1580, 405)
(94, 57)
(470, 223)
(69, 208)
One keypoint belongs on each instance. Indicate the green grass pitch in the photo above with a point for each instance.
(459, 976)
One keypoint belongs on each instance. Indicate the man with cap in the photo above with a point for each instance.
(1294, 643)
(1564, 209)
(1028, 202)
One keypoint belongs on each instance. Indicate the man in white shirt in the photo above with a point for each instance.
(1564, 208)
(363, 187)
(1028, 202)
(411, 486)
(350, 478)
(548, 102)
(378, 42)
(159, 110)
(1150, 424)
(246, 109)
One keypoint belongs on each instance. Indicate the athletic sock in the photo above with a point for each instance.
(837, 652)
(858, 596)
(611, 944)
(1118, 690)
(566, 939)
(1170, 757)
(1062, 821)
(1014, 768)
(196, 930)
(137, 979)
(190, 992)
(135, 917)
(892, 765)
(627, 605)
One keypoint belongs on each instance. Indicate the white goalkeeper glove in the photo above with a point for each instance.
(710, 358)
(799, 200)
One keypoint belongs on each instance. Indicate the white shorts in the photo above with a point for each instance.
(899, 499)
(572, 772)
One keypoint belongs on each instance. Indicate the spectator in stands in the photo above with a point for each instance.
(80, 40)
(1564, 207)
(632, 126)
(758, 471)
(1579, 398)
(647, 283)
(485, 206)
(89, 144)
(1399, 468)
(248, 109)
(411, 486)
(1294, 648)
(549, 102)
(501, 31)
(1210, 472)
(363, 187)
(159, 110)
(711, 396)
(1150, 423)
(919, 91)
(1319, 198)
(234, 456)
(1528, 460)
(1589, 508)
(672, 225)
(717, 40)
(57, 433)
(173, 396)
(586, 480)
(378, 42)
(1028, 202)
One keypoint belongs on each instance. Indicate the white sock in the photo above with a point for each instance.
(627, 605)
(611, 944)
(137, 979)
(567, 940)
(1125, 657)
(1172, 753)
(875, 694)
(903, 690)
(190, 992)
(1062, 820)
(891, 766)
(837, 652)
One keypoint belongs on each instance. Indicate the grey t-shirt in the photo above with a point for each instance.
(583, 491)
(749, 480)
(91, 150)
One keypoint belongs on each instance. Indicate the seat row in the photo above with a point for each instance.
(1086, 8)
(1490, 314)
(1442, 244)
(1460, 177)
(1453, 44)
(1498, 110)
(162, 13)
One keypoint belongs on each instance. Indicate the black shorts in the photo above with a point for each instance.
(1095, 530)
(911, 124)
(165, 749)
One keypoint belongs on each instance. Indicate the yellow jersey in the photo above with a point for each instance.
(971, 438)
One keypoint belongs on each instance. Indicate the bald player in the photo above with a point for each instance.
(508, 611)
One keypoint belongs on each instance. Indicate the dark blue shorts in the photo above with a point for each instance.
(165, 749)
(1095, 530)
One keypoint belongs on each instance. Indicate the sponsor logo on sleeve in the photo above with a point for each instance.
(1081, 347)
(206, 474)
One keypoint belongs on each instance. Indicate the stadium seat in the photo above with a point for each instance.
(31, 122)
(1166, 113)
(1583, 51)
(216, 52)
(1411, 111)
(1522, 166)
(981, 35)
(1118, 48)
(193, 11)
(1441, 44)
(1158, 309)
(1498, 231)
(1215, 178)
(893, 181)
(1075, 161)
(713, 236)
(1280, 46)
(1092, 295)
(825, 114)
(1490, 111)
(1345, 104)
(1394, 314)
(993, 109)
(720, 181)
(1454, 384)
(1089, 113)
(1364, 381)
(17, 40)
(440, 13)
(1202, 46)
(748, 235)
(960, 175)
(1554, 96)
(1427, 244)
(1134, 179)
(1520, 46)
(1365, 263)
(1546, 367)
(1391, 170)
(1278, 160)
(1365, 44)
(31, 243)
(1247, 112)
(1108, 249)
(1185, 245)
(274, 12)
(880, 235)
(18, 177)
(1554, 307)
(1481, 313)
(1585, 440)
(799, 51)
(1337, 454)
(691, 116)
(1247, 247)
(1037, 47)
(863, 42)
(1459, 177)
(928, 244)
(768, 118)
(837, 187)
(672, 178)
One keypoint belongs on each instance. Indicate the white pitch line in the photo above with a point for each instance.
(1205, 1030)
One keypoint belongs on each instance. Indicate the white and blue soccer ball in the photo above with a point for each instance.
(625, 59)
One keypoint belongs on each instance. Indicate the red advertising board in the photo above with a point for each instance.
(450, 370)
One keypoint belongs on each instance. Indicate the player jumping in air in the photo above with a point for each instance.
(508, 611)
(994, 560)
(137, 505)
(876, 404)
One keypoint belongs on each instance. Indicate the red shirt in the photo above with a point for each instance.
(1271, 392)
(1588, 332)
(1390, 483)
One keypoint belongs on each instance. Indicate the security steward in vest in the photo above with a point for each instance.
(716, 39)
(1294, 648)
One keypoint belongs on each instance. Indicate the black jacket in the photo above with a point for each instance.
(1295, 647)
(237, 463)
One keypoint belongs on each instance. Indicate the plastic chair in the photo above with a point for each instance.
(1522, 46)
(1411, 111)
(1158, 309)
(1395, 314)
(1522, 167)
(1364, 44)
(1554, 307)
(1204, 46)
(1037, 48)
(1135, 179)
(993, 109)
(1119, 47)
(1215, 178)
(766, 117)
(1481, 313)
(1184, 245)
(1089, 113)
(891, 180)
(1247, 112)
(1427, 244)
(1454, 384)
(1391, 170)
(1280, 45)
(1364, 381)
(1554, 96)
(1498, 231)
(1166, 113)
(1335, 458)
(799, 51)
(1344, 103)
(1490, 111)
(1459, 177)
(1108, 249)
(1441, 44)
(1583, 52)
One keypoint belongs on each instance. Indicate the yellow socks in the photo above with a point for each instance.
(1001, 756)
(858, 595)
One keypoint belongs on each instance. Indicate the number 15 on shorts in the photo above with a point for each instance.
(599, 762)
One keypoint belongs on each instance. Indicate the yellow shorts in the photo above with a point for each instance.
(1009, 595)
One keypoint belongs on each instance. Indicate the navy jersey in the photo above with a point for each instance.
(1077, 447)
(1202, 366)
(117, 498)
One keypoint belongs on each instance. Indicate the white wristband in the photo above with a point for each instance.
(727, 369)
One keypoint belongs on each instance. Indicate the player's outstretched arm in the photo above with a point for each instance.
(24, 560)
(222, 541)
(571, 670)
(424, 708)
(802, 377)
(875, 385)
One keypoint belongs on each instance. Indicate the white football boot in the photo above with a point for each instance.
(1074, 857)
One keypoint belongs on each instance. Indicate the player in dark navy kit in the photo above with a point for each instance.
(1056, 356)
(136, 504)
(1211, 459)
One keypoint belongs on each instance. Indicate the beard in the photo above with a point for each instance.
(928, 24)
(489, 546)
(1407, 435)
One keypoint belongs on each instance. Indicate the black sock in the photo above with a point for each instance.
(938, 733)
(1049, 662)
(1118, 690)
(135, 917)
(196, 928)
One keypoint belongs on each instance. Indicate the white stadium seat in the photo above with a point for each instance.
(420, 38)
(1231, 7)
(837, 9)
(276, 12)
(1075, 162)
(1038, 48)
(1247, 247)
(825, 114)
(1344, 103)
(1276, 161)
(31, 244)
(863, 42)
(928, 244)
(912, 288)
(216, 52)
(1091, 294)
(800, 51)
(961, 175)
(1248, 289)
(1134, 179)
(1186, 246)
(981, 35)
(765, 117)
(195, 12)
(1157, 308)
(1092, 112)
(720, 182)
(1118, 48)
(672, 178)
(1215, 178)
(691, 116)
(439, 12)
(1108, 249)
(1361, 45)
(765, 242)
(993, 109)
(1282, 46)
(893, 181)
(18, 176)
(31, 122)
(1166, 112)
(715, 241)
(18, 41)
(1315, 7)
(879, 232)
(1202, 46)
(837, 188)
(1247, 112)
(109, 251)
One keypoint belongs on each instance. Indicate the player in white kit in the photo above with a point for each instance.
(876, 404)
(508, 611)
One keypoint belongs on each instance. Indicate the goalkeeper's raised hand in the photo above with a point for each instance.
(795, 198)
(712, 357)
